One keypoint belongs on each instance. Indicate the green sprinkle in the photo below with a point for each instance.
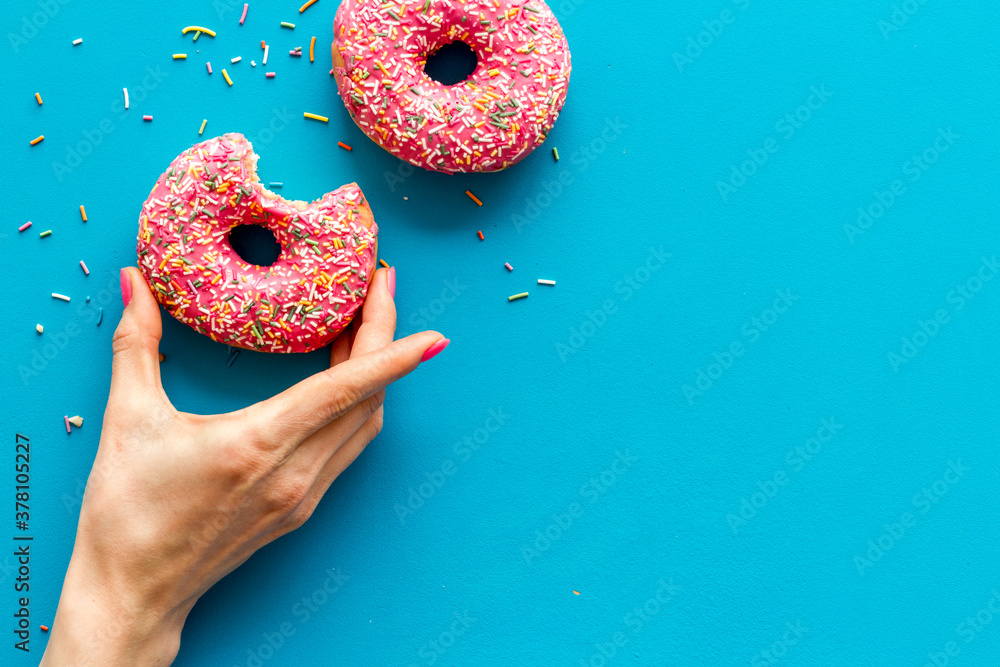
(290, 26)
(555, 154)
(427, 6)
(47, 232)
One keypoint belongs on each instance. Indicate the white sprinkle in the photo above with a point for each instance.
(253, 63)
(266, 47)
(76, 420)
(125, 90)
(236, 59)
(39, 328)
(60, 296)
(546, 282)
(77, 42)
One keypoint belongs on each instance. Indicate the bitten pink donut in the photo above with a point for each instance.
(488, 122)
(301, 302)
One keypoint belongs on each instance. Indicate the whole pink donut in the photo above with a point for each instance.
(488, 122)
(298, 304)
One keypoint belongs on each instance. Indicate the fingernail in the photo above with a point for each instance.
(126, 288)
(435, 349)
(391, 278)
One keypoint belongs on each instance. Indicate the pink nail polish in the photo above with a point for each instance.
(435, 349)
(392, 281)
(126, 287)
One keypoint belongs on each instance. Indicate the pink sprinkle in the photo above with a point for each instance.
(147, 118)
(24, 226)
(66, 419)
(270, 75)
(209, 66)
(244, 17)
(83, 266)
(331, 72)
(509, 267)
(297, 54)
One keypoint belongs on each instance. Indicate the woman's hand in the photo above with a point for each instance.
(176, 501)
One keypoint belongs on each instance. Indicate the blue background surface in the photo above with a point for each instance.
(697, 517)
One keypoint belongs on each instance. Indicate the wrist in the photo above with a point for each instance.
(95, 624)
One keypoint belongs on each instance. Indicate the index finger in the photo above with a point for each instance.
(304, 408)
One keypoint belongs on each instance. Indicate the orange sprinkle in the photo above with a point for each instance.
(37, 139)
(474, 198)
(576, 592)
(480, 235)
(312, 44)
(306, 6)
(38, 98)
(344, 146)
(45, 628)
(383, 263)
(83, 213)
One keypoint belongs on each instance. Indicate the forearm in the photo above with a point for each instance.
(96, 626)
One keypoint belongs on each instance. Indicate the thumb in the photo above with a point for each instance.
(135, 369)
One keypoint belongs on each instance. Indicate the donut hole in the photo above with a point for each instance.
(255, 244)
(452, 63)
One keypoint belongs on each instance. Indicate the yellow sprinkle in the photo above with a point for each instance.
(522, 295)
(180, 56)
(204, 122)
(312, 115)
(198, 28)
(39, 328)
(225, 75)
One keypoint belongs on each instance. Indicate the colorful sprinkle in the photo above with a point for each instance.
(204, 122)
(474, 198)
(44, 628)
(243, 18)
(236, 59)
(147, 118)
(76, 420)
(555, 154)
(78, 41)
(83, 266)
(198, 28)
(180, 56)
(383, 263)
(275, 184)
(267, 47)
(209, 66)
(39, 328)
(37, 139)
(522, 295)
(344, 146)
(286, 24)
(47, 232)
(270, 75)
(509, 267)
(83, 213)
(312, 43)
(296, 52)
(24, 226)
(480, 233)
(225, 74)
(66, 420)
(38, 98)
(61, 297)
(316, 117)
(306, 6)
(546, 282)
